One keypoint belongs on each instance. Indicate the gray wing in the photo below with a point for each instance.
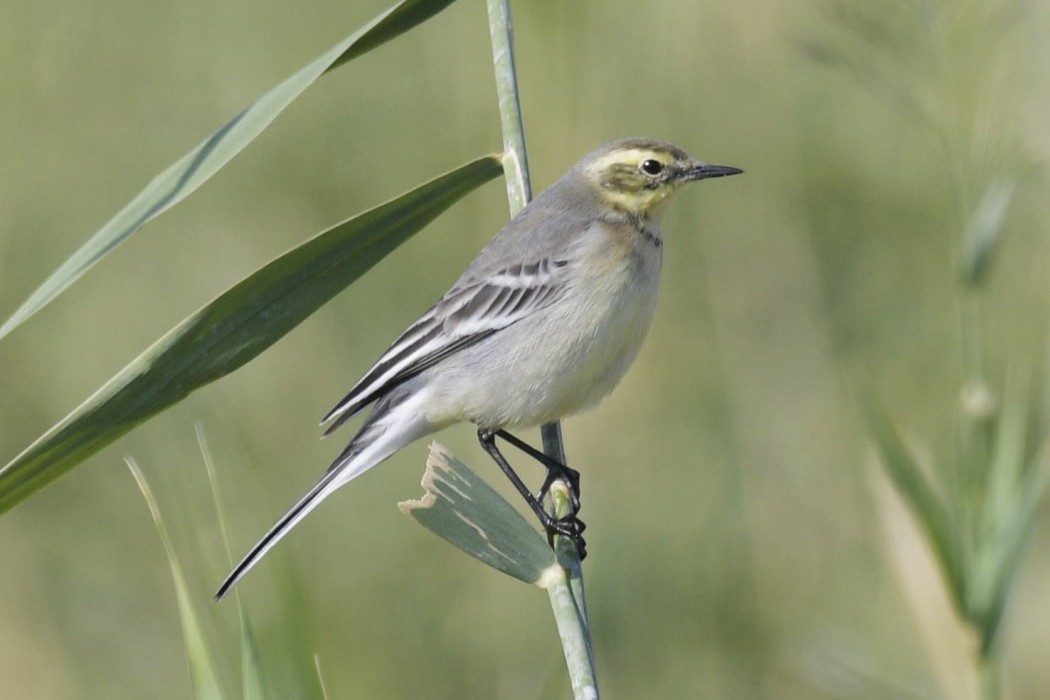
(471, 311)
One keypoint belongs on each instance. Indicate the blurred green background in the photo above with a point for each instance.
(743, 543)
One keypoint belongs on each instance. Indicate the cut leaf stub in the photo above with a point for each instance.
(465, 511)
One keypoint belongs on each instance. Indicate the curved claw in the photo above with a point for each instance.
(571, 527)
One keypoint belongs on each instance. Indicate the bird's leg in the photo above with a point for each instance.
(569, 526)
(555, 470)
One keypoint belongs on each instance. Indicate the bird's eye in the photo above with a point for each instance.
(652, 167)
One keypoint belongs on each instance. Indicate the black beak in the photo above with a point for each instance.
(702, 171)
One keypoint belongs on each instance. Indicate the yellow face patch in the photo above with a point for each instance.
(637, 202)
(624, 184)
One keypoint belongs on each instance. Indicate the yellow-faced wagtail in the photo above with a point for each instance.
(543, 324)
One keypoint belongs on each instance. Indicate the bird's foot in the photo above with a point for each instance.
(569, 526)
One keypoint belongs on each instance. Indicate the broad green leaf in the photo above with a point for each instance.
(205, 680)
(193, 169)
(466, 512)
(925, 505)
(235, 327)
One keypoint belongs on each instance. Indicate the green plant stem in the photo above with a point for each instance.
(515, 160)
(988, 676)
(515, 157)
(566, 590)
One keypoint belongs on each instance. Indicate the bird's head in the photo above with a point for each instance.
(638, 176)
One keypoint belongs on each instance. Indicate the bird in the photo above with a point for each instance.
(542, 324)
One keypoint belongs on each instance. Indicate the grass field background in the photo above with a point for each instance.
(743, 541)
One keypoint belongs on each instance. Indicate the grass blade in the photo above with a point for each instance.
(253, 682)
(984, 231)
(1015, 484)
(925, 505)
(205, 680)
(1012, 548)
(253, 685)
(234, 328)
(193, 169)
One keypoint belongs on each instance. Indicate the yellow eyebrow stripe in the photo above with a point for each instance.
(632, 156)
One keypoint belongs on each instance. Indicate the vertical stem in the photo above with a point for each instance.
(566, 594)
(515, 160)
(988, 676)
(570, 607)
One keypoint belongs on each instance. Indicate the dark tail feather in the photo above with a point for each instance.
(290, 519)
(395, 422)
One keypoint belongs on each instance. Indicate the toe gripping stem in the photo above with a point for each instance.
(569, 526)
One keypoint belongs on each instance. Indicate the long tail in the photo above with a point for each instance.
(392, 425)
